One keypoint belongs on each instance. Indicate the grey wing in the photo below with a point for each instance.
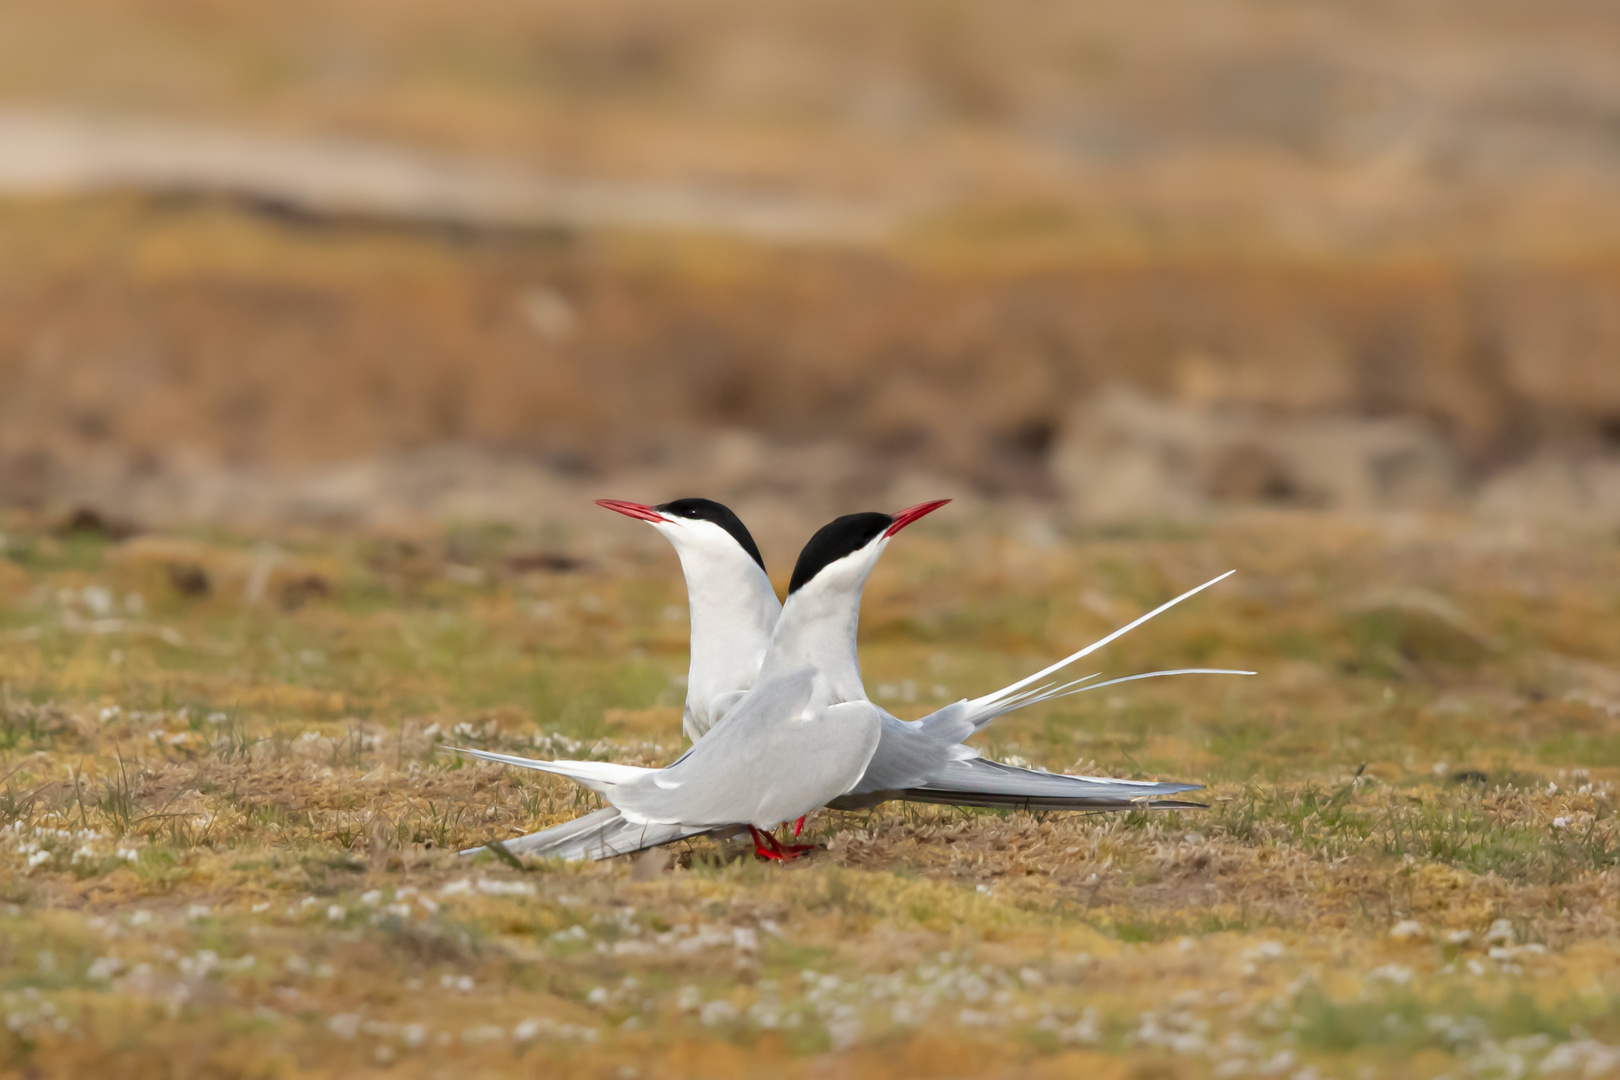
(599, 835)
(986, 783)
(770, 760)
(910, 752)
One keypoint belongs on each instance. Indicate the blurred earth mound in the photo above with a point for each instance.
(339, 264)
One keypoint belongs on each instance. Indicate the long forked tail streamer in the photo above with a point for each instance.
(1052, 691)
(995, 703)
(1100, 642)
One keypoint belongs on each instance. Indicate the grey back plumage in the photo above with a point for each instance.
(910, 752)
(776, 755)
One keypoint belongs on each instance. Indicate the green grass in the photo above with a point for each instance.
(275, 785)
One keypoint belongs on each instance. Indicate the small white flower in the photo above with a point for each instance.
(1266, 950)
(103, 968)
(717, 1012)
(1393, 973)
(843, 1032)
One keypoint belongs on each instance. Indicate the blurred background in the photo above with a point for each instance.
(365, 264)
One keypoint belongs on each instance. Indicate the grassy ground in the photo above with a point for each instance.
(230, 824)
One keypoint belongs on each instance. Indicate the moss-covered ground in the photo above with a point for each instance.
(230, 823)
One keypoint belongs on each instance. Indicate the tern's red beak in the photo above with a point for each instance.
(630, 509)
(910, 514)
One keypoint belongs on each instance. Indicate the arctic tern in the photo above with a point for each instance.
(733, 606)
(923, 760)
(799, 737)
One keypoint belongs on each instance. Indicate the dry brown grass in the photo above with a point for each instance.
(1371, 210)
(153, 342)
(234, 855)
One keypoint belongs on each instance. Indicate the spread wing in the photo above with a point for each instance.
(599, 835)
(770, 760)
(600, 776)
(982, 782)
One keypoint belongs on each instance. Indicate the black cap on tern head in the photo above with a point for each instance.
(849, 534)
(709, 510)
(690, 510)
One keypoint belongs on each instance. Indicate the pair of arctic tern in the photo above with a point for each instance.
(779, 717)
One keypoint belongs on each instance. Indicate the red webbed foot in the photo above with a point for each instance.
(766, 846)
(798, 826)
(793, 851)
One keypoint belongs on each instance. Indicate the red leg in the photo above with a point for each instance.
(793, 851)
(798, 826)
(765, 845)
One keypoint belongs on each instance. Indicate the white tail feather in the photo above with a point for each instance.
(1019, 694)
(600, 776)
(1069, 689)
